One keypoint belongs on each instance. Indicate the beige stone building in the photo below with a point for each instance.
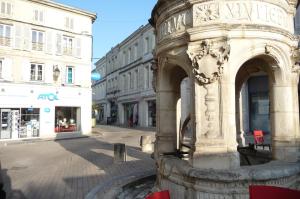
(45, 76)
(242, 60)
(124, 95)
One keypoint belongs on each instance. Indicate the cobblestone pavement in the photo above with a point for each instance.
(70, 169)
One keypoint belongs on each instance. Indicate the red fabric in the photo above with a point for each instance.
(258, 136)
(159, 195)
(266, 192)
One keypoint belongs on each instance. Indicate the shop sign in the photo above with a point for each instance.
(47, 96)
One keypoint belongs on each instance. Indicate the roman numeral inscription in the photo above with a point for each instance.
(253, 11)
(174, 24)
(246, 12)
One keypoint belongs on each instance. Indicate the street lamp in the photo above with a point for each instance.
(56, 72)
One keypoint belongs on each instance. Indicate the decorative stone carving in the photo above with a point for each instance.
(158, 62)
(247, 12)
(212, 111)
(154, 68)
(206, 12)
(209, 74)
(295, 55)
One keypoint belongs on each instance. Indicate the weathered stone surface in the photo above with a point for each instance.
(219, 45)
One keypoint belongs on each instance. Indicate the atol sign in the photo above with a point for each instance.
(47, 96)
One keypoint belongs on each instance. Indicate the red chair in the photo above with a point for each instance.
(159, 195)
(266, 192)
(259, 139)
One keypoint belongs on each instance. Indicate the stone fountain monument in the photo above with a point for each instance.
(218, 44)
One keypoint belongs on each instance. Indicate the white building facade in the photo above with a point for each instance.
(124, 95)
(45, 82)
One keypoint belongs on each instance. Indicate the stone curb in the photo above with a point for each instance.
(116, 183)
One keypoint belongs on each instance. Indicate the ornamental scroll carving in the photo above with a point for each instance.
(154, 67)
(295, 56)
(204, 73)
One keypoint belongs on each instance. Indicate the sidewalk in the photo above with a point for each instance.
(73, 168)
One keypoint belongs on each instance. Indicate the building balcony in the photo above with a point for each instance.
(37, 46)
(5, 41)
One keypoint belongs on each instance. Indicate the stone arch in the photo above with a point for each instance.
(169, 80)
(271, 54)
(260, 65)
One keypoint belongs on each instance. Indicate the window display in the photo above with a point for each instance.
(66, 119)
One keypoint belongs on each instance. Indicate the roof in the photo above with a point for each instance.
(53, 4)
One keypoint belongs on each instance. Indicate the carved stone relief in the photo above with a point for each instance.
(206, 12)
(154, 68)
(208, 74)
(157, 62)
(207, 66)
(174, 24)
(257, 12)
(295, 56)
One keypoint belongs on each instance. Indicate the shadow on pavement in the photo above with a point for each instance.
(9, 192)
(100, 154)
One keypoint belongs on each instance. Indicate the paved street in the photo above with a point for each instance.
(70, 168)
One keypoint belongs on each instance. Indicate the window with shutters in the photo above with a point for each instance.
(68, 45)
(70, 75)
(5, 8)
(5, 35)
(38, 16)
(36, 72)
(37, 39)
(69, 23)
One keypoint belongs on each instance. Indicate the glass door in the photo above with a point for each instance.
(5, 119)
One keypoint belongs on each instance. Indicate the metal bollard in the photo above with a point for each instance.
(146, 143)
(119, 153)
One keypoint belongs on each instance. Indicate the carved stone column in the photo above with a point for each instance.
(285, 118)
(213, 148)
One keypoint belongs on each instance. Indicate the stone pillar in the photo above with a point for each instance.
(166, 122)
(285, 122)
(215, 146)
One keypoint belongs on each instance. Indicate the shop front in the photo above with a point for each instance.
(44, 112)
(152, 113)
(131, 114)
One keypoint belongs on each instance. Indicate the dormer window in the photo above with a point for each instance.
(6, 8)
(69, 23)
(38, 16)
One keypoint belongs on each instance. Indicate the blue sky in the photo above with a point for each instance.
(116, 20)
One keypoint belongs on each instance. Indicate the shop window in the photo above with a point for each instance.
(67, 119)
(152, 113)
(37, 40)
(30, 122)
(19, 123)
(36, 72)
